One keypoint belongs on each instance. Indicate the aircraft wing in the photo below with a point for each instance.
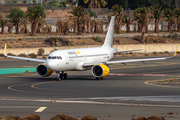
(127, 61)
(23, 58)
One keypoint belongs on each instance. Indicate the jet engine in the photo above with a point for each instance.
(100, 71)
(43, 71)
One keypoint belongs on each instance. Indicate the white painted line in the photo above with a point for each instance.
(3, 107)
(40, 109)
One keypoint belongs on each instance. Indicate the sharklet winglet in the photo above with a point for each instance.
(5, 49)
(176, 50)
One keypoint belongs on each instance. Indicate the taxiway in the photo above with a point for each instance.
(119, 96)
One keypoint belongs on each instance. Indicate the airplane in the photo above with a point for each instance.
(95, 59)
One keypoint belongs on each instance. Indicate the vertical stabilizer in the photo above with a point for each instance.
(109, 36)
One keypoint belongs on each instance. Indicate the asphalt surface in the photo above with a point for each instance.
(120, 96)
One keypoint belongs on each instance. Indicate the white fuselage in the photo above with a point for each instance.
(74, 59)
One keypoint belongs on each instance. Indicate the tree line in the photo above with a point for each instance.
(17, 18)
(81, 21)
(126, 4)
(131, 4)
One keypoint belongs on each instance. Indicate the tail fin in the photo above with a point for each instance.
(109, 36)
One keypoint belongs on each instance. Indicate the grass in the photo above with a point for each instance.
(78, 37)
(97, 39)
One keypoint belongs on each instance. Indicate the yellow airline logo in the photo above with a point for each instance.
(77, 52)
(111, 28)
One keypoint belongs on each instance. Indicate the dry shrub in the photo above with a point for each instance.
(53, 50)
(17, 118)
(147, 82)
(7, 118)
(32, 117)
(141, 118)
(58, 41)
(151, 118)
(150, 39)
(22, 55)
(88, 117)
(116, 41)
(169, 113)
(10, 54)
(62, 117)
(1, 55)
(154, 118)
(32, 55)
(41, 51)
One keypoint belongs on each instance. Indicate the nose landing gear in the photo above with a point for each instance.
(61, 75)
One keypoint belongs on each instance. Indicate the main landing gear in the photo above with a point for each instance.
(61, 76)
(97, 78)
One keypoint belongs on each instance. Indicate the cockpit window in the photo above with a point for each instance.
(59, 57)
(55, 57)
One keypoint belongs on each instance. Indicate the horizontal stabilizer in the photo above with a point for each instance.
(128, 51)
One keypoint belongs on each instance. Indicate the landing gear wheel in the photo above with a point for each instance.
(58, 79)
(97, 78)
(65, 75)
(61, 76)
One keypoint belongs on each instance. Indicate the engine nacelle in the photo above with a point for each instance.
(43, 71)
(100, 70)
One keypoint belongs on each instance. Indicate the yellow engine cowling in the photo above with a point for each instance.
(100, 71)
(43, 71)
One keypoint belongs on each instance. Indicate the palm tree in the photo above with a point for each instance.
(127, 21)
(51, 4)
(157, 12)
(118, 13)
(46, 1)
(85, 20)
(88, 26)
(25, 21)
(177, 15)
(170, 18)
(3, 22)
(79, 13)
(75, 26)
(95, 3)
(35, 15)
(142, 16)
(59, 25)
(10, 27)
(16, 17)
(40, 26)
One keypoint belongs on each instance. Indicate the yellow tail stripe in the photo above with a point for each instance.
(176, 50)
